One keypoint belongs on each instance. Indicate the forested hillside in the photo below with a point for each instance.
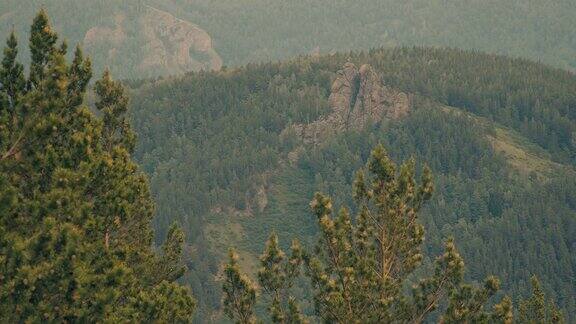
(147, 38)
(236, 154)
(442, 147)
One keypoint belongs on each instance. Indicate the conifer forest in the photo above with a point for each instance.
(267, 161)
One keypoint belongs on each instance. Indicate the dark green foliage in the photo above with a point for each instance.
(212, 141)
(239, 294)
(75, 221)
(537, 309)
(12, 85)
(12, 73)
(42, 42)
(114, 105)
(80, 74)
(277, 275)
(362, 265)
(169, 263)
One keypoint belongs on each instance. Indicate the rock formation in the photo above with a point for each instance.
(155, 41)
(357, 98)
(176, 45)
(113, 37)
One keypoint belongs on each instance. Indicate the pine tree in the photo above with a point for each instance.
(169, 263)
(277, 275)
(12, 82)
(80, 75)
(12, 85)
(42, 46)
(239, 293)
(114, 105)
(361, 267)
(537, 309)
(75, 220)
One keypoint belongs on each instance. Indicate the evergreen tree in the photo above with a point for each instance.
(276, 276)
(12, 80)
(76, 238)
(42, 46)
(239, 293)
(12, 83)
(537, 309)
(169, 264)
(114, 104)
(80, 74)
(361, 267)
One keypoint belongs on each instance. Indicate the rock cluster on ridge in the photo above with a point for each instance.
(357, 98)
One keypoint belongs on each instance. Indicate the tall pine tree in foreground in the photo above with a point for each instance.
(363, 267)
(75, 211)
(239, 293)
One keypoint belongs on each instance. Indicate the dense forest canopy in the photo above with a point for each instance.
(235, 155)
(244, 31)
(497, 133)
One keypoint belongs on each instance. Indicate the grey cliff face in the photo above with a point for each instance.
(358, 98)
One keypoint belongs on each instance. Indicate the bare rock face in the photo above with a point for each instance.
(163, 44)
(358, 98)
(176, 45)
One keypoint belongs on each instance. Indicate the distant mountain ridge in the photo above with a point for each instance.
(212, 33)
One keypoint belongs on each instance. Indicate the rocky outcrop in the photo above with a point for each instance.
(357, 98)
(155, 41)
(176, 45)
(114, 36)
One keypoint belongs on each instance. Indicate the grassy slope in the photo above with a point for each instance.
(521, 154)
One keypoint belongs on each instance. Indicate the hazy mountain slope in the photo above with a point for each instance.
(132, 38)
(136, 41)
(255, 30)
(229, 159)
